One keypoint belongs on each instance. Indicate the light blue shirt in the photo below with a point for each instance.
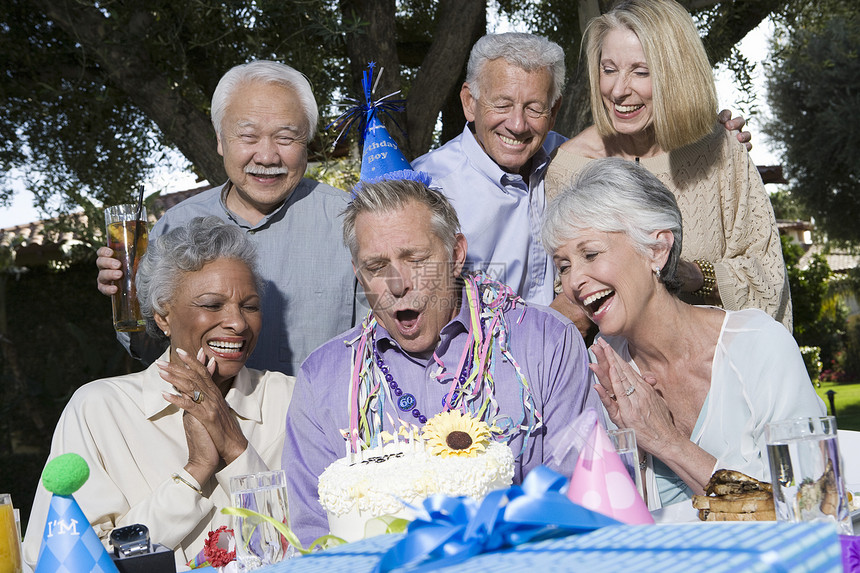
(311, 293)
(671, 488)
(499, 212)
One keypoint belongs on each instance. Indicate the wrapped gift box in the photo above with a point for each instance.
(685, 548)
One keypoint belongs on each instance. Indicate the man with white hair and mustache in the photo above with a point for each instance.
(264, 114)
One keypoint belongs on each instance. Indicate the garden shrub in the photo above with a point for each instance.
(812, 361)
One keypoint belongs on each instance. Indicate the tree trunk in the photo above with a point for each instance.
(124, 56)
(575, 112)
(377, 42)
(458, 24)
(734, 21)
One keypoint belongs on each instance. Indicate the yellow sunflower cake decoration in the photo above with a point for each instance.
(454, 434)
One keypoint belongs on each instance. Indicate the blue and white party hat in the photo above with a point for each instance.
(69, 544)
(381, 158)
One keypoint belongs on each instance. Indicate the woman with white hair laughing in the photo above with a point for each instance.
(696, 383)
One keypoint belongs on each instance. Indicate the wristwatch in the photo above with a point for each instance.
(130, 540)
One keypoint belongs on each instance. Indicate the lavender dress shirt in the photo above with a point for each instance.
(547, 346)
(500, 213)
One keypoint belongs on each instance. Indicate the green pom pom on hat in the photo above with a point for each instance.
(65, 474)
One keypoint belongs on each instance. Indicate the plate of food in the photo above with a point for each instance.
(730, 496)
(734, 496)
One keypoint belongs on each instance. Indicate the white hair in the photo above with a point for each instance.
(269, 72)
(184, 250)
(614, 195)
(526, 51)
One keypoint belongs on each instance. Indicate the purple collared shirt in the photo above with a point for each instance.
(547, 346)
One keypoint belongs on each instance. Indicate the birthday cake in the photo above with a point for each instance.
(453, 455)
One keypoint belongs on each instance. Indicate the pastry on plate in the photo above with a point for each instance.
(734, 496)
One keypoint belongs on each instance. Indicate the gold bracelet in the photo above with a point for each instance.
(709, 279)
(179, 479)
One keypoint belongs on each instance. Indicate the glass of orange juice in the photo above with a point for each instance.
(10, 541)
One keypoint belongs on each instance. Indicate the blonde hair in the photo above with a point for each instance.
(684, 95)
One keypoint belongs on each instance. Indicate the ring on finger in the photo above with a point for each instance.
(197, 396)
(612, 397)
(630, 390)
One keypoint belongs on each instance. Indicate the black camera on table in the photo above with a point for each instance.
(134, 553)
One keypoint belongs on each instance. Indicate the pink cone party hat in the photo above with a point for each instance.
(381, 158)
(600, 482)
(69, 544)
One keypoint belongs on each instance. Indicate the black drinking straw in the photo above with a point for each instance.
(136, 232)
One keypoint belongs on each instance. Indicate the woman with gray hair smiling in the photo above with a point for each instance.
(162, 444)
(696, 383)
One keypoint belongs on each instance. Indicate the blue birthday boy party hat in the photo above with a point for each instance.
(381, 158)
(69, 544)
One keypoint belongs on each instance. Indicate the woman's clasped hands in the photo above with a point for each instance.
(632, 401)
(211, 431)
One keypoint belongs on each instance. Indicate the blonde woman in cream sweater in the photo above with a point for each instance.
(653, 100)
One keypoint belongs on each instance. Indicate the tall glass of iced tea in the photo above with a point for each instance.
(127, 236)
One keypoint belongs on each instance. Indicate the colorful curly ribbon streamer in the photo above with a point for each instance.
(488, 337)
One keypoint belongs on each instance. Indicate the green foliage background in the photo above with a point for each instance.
(60, 337)
(814, 93)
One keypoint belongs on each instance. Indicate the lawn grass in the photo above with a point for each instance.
(847, 400)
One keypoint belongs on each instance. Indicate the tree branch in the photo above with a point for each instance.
(124, 57)
(733, 21)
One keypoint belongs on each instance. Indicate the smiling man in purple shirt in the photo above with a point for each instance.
(417, 345)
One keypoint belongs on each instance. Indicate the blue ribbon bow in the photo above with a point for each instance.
(449, 530)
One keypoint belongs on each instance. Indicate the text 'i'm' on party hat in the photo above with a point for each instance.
(381, 157)
(601, 482)
(69, 544)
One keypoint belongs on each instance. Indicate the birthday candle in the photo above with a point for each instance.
(347, 444)
(393, 431)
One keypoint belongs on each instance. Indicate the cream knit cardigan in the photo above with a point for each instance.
(727, 218)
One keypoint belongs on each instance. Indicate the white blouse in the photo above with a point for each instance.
(133, 441)
(757, 376)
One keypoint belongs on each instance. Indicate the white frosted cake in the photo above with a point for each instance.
(454, 456)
